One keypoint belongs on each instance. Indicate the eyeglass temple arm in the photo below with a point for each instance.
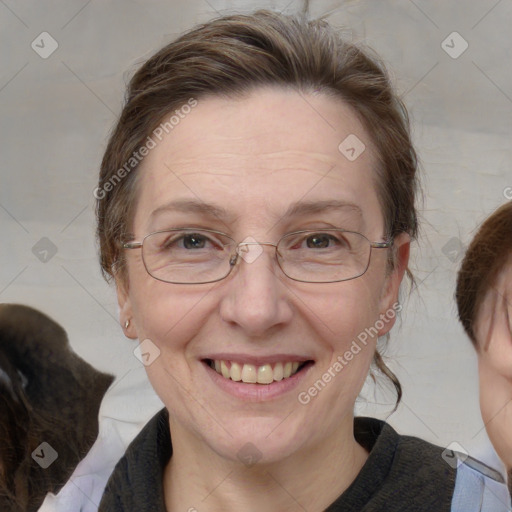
(381, 245)
(132, 245)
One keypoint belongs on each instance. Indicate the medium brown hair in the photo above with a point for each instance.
(230, 57)
(486, 256)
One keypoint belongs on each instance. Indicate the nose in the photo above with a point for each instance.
(255, 297)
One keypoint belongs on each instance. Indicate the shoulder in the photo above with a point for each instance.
(138, 475)
(403, 472)
(408, 451)
(478, 487)
(421, 472)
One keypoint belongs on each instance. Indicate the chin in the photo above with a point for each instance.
(258, 441)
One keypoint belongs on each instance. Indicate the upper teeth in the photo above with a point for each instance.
(251, 373)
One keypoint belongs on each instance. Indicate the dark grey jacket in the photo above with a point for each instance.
(402, 474)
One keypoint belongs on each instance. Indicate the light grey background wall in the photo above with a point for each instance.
(57, 109)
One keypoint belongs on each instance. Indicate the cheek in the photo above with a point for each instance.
(496, 408)
(350, 325)
(498, 352)
(350, 316)
(345, 309)
(172, 319)
(167, 313)
(348, 337)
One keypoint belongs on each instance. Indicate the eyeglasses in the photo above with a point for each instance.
(200, 256)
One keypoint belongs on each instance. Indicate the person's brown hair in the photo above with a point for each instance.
(488, 253)
(230, 57)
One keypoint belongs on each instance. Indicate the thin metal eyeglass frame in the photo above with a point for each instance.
(234, 258)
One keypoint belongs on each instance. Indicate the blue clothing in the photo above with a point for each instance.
(478, 488)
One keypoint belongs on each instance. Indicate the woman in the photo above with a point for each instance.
(484, 300)
(255, 208)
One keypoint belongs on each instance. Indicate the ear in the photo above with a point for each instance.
(389, 305)
(125, 308)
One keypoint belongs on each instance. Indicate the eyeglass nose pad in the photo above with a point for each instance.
(242, 247)
(234, 258)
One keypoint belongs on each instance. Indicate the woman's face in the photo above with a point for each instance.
(494, 337)
(255, 159)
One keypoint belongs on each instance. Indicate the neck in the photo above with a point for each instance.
(197, 479)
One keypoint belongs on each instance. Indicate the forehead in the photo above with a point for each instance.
(500, 286)
(495, 309)
(262, 155)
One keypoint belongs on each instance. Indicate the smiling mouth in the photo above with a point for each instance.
(254, 374)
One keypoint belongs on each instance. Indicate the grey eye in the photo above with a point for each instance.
(320, 240)
(194, 241)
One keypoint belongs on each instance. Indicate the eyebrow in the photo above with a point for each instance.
(191, 206)
(294, 210)
(304, 207)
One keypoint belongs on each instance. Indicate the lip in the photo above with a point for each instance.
(259, 392)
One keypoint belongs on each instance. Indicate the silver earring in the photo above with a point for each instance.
(127, 324)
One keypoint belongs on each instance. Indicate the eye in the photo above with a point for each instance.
(318, 241)
(321, 241)
(192, 241)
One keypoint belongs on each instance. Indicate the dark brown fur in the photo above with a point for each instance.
(51, 395)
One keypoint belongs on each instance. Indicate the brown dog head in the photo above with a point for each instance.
(47, 395)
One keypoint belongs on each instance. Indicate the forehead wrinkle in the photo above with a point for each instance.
(244, 161)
